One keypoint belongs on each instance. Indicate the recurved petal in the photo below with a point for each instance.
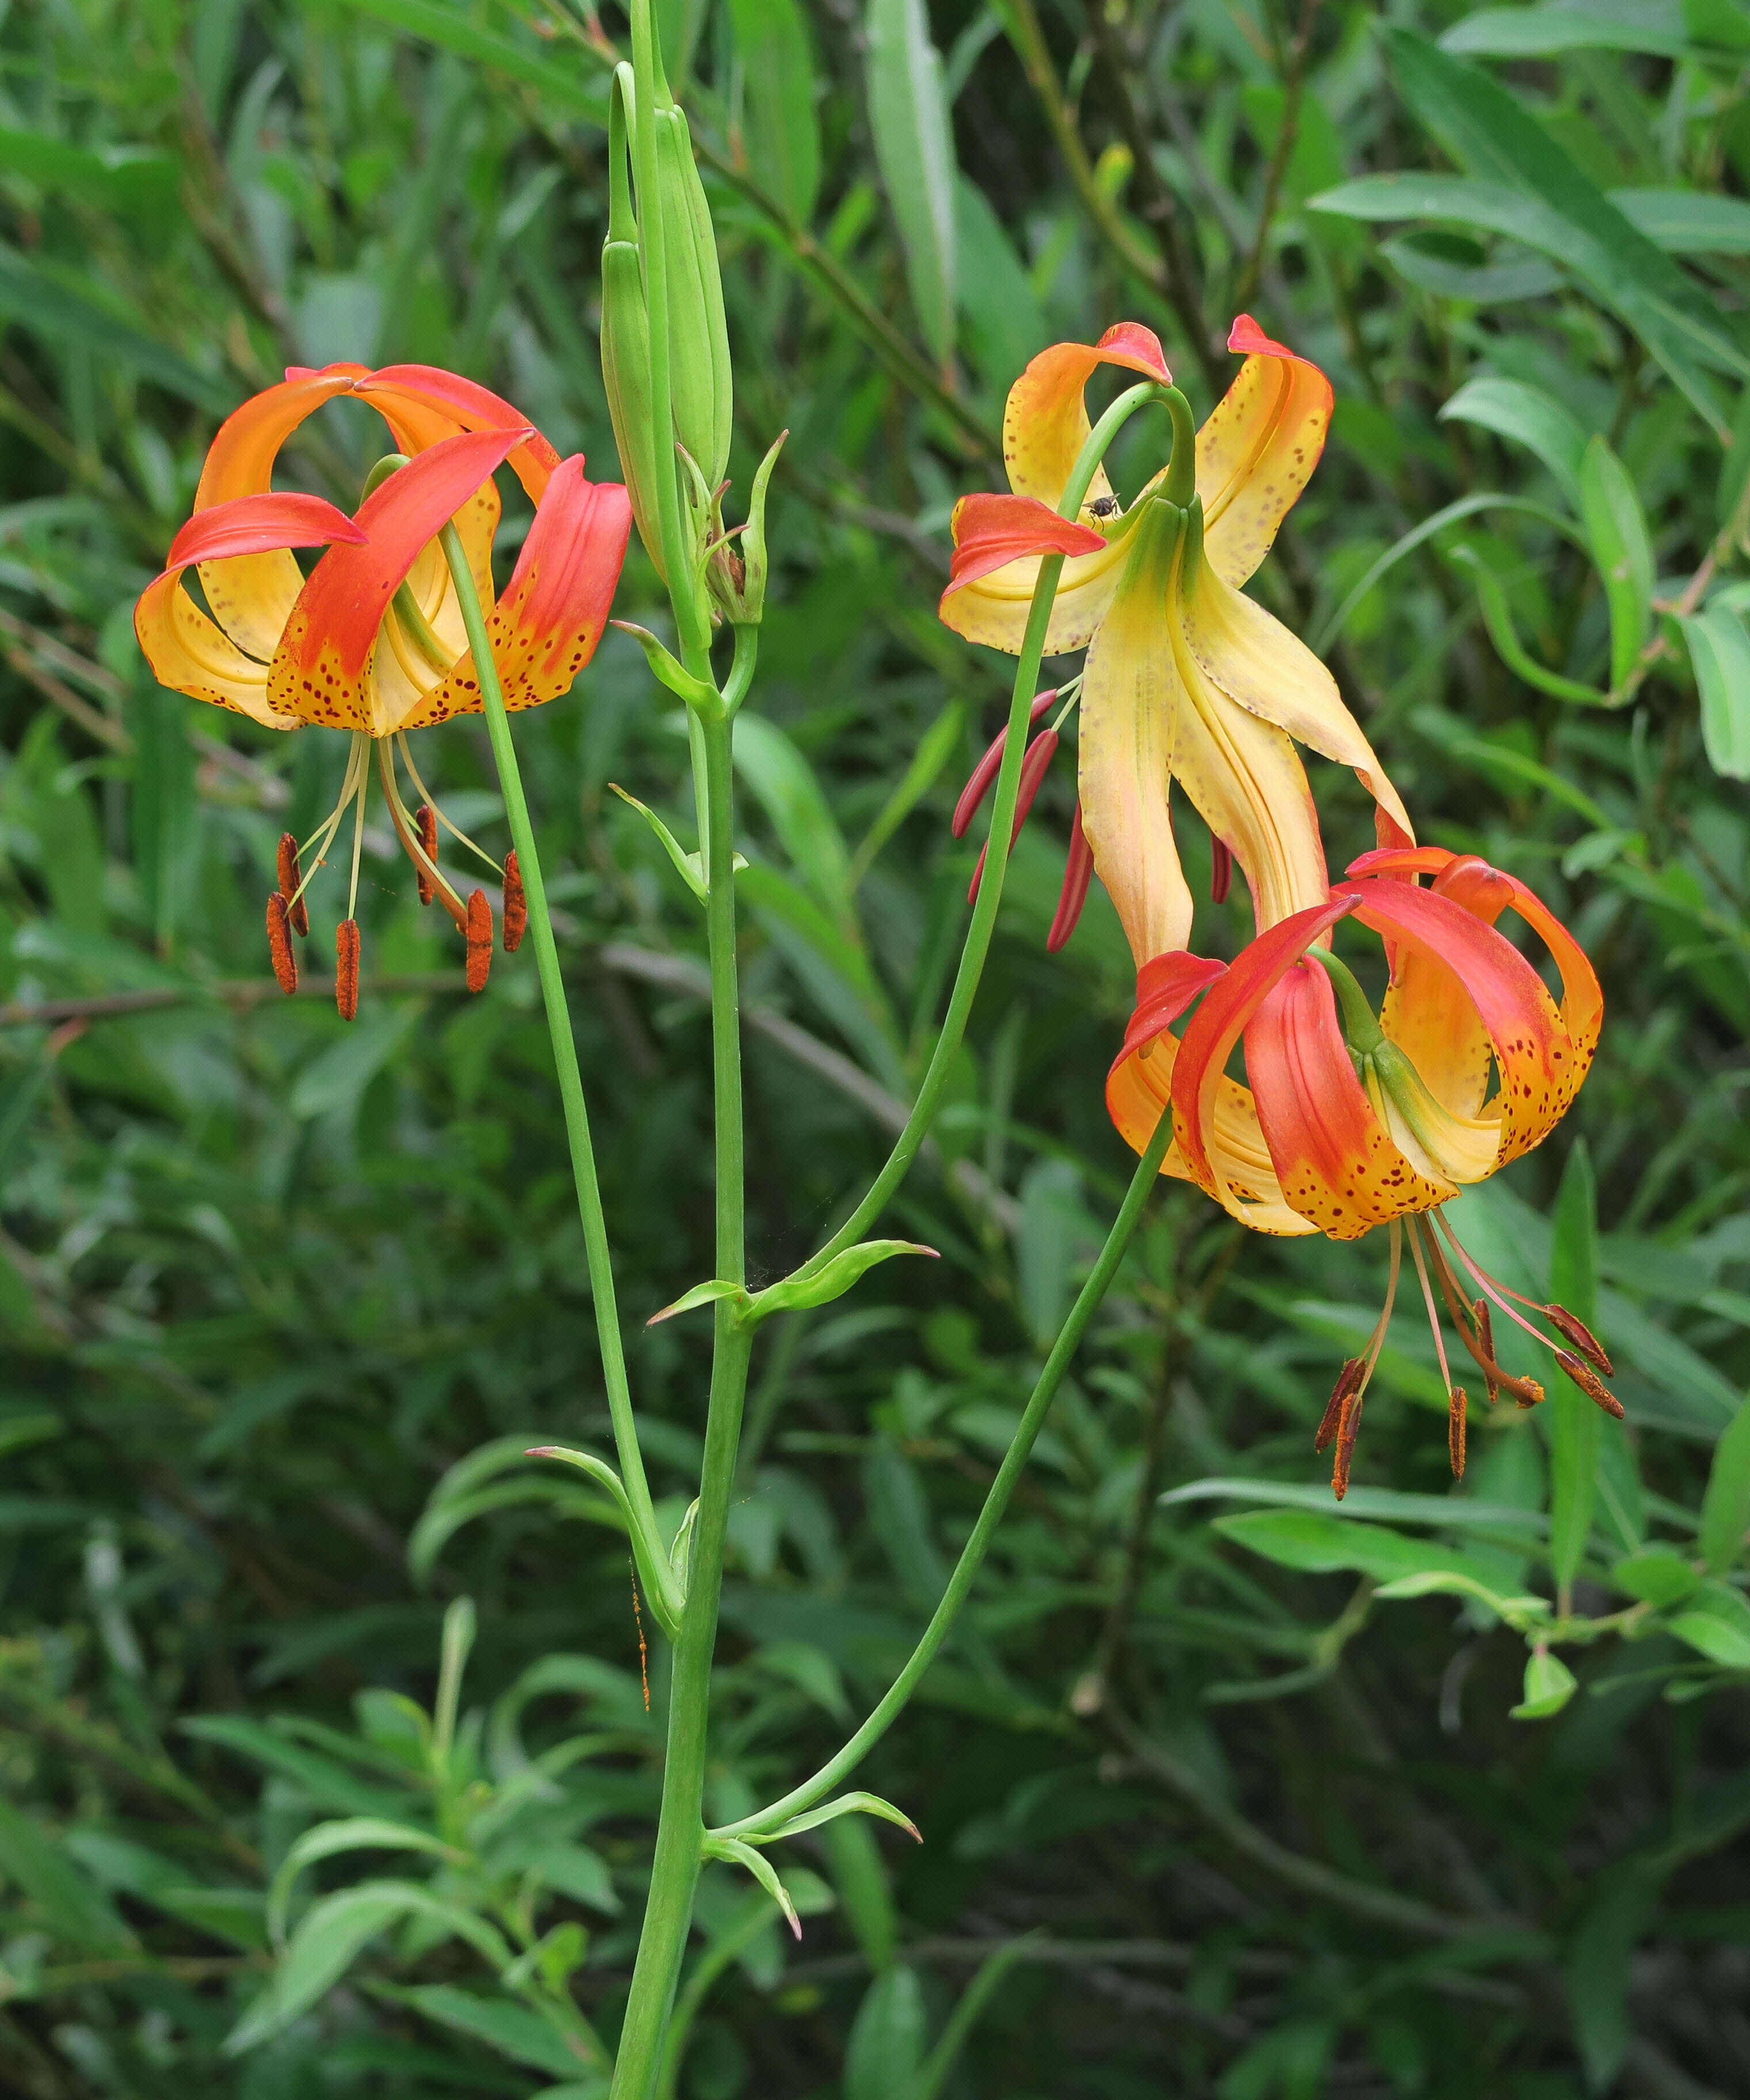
(1258, 448)
(991, 530)
(190, 655)
(1540, 1065)
(424, 404)
(993, 609)
(1334, 1157)
(1045, 424)
(257, 524)
(546, 627)
(1271, 672)
(319, 673)
(253, 603)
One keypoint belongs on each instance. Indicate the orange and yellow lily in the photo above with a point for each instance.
(1352, 1120)
(373, 640)
(1185, 677)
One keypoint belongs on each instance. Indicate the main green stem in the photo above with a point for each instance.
(980, 932)
(674, 1871)
(996, 1503)
(596, 1252)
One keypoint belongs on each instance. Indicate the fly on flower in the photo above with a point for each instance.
(1185, 677)
(1353, 1119)
(372, 642)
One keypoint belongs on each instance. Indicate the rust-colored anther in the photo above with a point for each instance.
(1589, 1383)
(280, 944)
(1348, 1379)
(1526, 1392)
(1076, 877)
(291, 881)
(1221, 869)
(1577, 1333)
(479, 941)
(1485, 1343)
(425, 817)
(516, 904)
(346, 969)
(1455, 1430)
(1346, 1437)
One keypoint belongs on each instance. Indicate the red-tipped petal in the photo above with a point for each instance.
(1044, 422)
(1078, 875)
(988, 768)
(256, 524)
(426, 403)
(1166, 985)
(991, 530)
(1249, 340)
(1257, 451)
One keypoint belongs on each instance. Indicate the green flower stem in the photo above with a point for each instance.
(674, 1871)
(564, 1055)
(982, 928)
(996, 1503)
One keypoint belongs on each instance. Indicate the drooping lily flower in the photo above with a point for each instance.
(372, 642)
(1352, 1120)
(1185, 678)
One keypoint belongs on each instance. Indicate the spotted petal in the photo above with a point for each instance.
(1045, 421)
(1258, 448)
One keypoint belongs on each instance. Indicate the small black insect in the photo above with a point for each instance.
(1104, 506)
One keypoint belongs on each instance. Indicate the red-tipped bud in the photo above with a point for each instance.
(1589, 1383)
(346, 969)
(516, 904)
(291, 881)
(1221, 869)
(1576, 1332)
(987, 769)
(1039, 755)
(426, 818)
(479, 941)
(280, 944)
(1455, 1431)
(1076, 877)
(1348, 1379)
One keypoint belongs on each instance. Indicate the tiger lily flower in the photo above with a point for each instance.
(1185, 677)
(1352, 1120)
(372, 642)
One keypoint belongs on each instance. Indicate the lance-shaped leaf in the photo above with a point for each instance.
(1530, 417)
(351, 1833)
(1719, 652)
(703, 697)
(846, 1804)
(908, 113)
(739, 1853)
(1497, 617)
(657, 1577)
(701, 1294)
(829, 1282)
(687, 864)
(1725, 1507)
(1521, 1613)
(1616, 526)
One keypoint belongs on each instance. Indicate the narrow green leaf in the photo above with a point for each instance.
(831, 1281)
(847, 1804)
(1687, 221)
(1530, 417)
(786, 788)
(1497, 617)
(1716, 1623)
(781, 130)
(1433, 1582)
(938, 2066)
(739, 1853)
(1725, 1506)
(908, 114)
(1719, 654)
(1574, 1424)
(1548, 1686)
(352, 1833)
(689, 1301)
(1321, 1543)
(886, 2050)
(859, 1875)
(687, 864)
(1656, 27)
(522, 2037)
(1616, 526)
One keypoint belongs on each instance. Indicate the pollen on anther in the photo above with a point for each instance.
(516, 904)
(280, 944)
(1455, 1430)
(479, 940)
(346, 969)
(425, 817)
(1589, 1383)
(1574, 1330)
(291, 880)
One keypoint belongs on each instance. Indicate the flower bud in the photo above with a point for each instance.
(626, 377)
(699, 342)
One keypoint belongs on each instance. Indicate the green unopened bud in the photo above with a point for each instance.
(699, 342)
(626, 376)
(737, 576)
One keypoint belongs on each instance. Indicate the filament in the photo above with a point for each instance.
(432, 803)
(1427, 1295)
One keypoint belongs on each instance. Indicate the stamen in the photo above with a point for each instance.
(1589, 1383)
(292, 884)
(1417, 1226)
(1346, 1437)
(1486, 1336)
(358, 849)
(346, 969)
(479, 941)
(1455, 1431)
(322, 837)
(988, 768)
(1576, 1331)
(1221, 869)
(1076, 877)
(1348, 1379)
(460, 837)
(427, 841)
(280, 944)
(1525, 1391)
(1040, 753)
(429, 876)
(516, 904)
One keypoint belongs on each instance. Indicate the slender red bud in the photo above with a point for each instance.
(1348, 1379)
(280, 944)
(346, 969)
(1076, 877)
(1455, 1431)
(479, 941)
(425, 817)
(516, 904)
(987, 769)
(1221, 869)
(1040, 753)
(291, 881)
(1577, 1332)
(1589, 1383)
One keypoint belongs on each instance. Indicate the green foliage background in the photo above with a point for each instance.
(265, 1280)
